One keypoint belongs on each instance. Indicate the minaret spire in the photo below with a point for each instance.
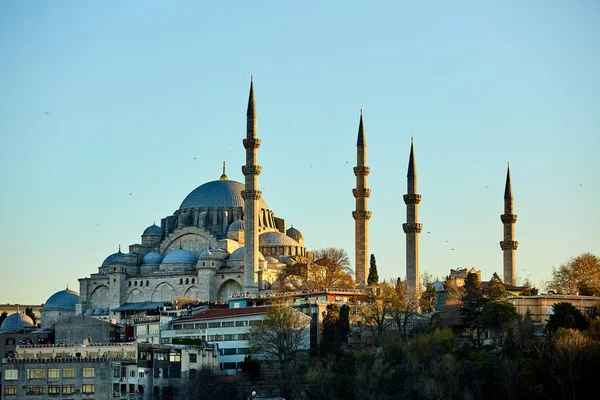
(361, 215)
(509, 245)
(224, 175)
(412, 227)
(251, 196)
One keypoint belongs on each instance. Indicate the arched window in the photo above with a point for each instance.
(129, 283)
(181, 281)
(147, 283)
(193, 280)
(187, 281)
(135, 283)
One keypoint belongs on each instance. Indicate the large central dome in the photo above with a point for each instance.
(217, 194)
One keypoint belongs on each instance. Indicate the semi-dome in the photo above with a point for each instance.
(294, 233)
(153, 230)
(63, 300)
(237, 225)
(217, 194)
(108, 260)
(271, 260)
(238, 255)
(152, 258)
(180, 256)
(16, 321)
(276, 239)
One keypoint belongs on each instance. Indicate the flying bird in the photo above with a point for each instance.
(46, 112)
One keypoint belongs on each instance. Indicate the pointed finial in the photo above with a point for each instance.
(412, 168)
(361, 142)
(119, 248)
(223, 176)
(67, 286)
(412, 138)
(508, 188)
(250, 110)
(180, 247)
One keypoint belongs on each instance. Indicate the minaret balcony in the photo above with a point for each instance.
(509, 244)
(412, 227)
(251, 194)
(508, 218)
(361, 215)
(251, 169)
(251, 143)
(412, 198)
(362, 171)
(364, 192)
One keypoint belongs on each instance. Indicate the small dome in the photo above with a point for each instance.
(180, 256)
(236, 226)
(153, 230)
(206, 255)
(276, 239)
(16, 321)
(238, 255)
(294, 233)
(119, 258)
(152, 258)
(89, 311)
(109, 259)
(271, 260)
(98, 311)
(63, 300)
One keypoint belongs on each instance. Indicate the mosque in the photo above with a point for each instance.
(222, 240)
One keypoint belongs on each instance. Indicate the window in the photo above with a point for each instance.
(140, 388)
(242, 336)
(193, 358)
(228, 352)
(252, 323)
(142, 375)
(201, 325)
(53, 373)
(218, 338)
(129, 283)
(181, 281)
(132, 373)
(89, 373)
(161, 356)
(87, 388)
(229, 337)
(243, 350)
(117, 371)
(228, 365)
(10, 341)
(135, 283)
(37, 373)
(187, 281)
(68, 389)
(53, 389)
(147, 283)
(131, 388)
(69, 373)
(176, 327)
(10, 389)
(188, 326)
(35, 389)
(11, 374)
(227, 324)
(214, 324)
(175, 357)
(241, 323)
(193, 280)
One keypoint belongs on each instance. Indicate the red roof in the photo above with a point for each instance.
(227, 313)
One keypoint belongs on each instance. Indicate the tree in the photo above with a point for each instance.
(330, 269)
(29, 312)
(373, 276)
(3, 317)
(579, 274)
(427, 300)
(278, 338)
(497, 315)
(454, 293)
(336, 328)
(566, 315)
(496, 288)
(528, 289)
(473, 301)
(401, 307)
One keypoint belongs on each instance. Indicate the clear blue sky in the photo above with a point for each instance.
(148, 98)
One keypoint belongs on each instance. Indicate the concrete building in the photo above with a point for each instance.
(227, 328)
(541, 307)
(362, 214)
(123, 371)
(412, 227)
(509, 244)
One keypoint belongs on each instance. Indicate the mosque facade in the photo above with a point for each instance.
(222, 240)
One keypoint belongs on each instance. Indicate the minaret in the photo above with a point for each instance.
(509, 244)
(412, 227)
(361, 215)
(251, 196)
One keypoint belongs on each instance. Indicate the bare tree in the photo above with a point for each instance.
(330, 269)
(578, 275)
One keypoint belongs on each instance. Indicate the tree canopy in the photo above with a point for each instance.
(579, 275)
(373, 276)
(329, 269)
(566, 315)
(496, 290)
